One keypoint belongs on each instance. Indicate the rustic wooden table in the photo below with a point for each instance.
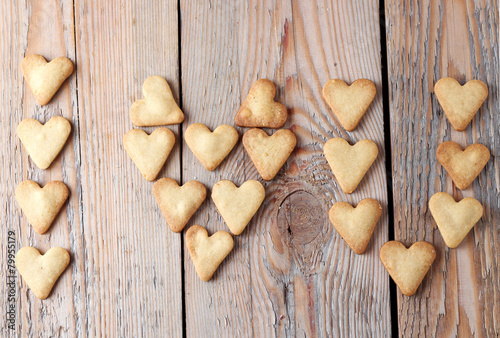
(290, 273)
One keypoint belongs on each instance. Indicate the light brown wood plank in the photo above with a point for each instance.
(132, 261)
(428, 40)
(290, 272)
(44, 28)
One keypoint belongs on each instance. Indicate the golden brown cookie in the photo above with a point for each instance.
(44, 142)
(149, 152)
(44, 78)
(454, 219)
(269, 153)
(462, 166)
(460, 103)
(259, 108)
(207, 252)
(210, 148)
(349, 103)
(158, 106)
(178, 203)
(238, 205)
(41, 205)
(350, 163)
(41, 272)
(407, 267)
(356, 225)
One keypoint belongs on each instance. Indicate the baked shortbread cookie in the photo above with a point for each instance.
(40, 272)
(158, 106)
(350, 163)
(44, 78)
(349, 103)
(356, 225)
(462, 166)
(210, 148)
(259, 108)
(238, 205)
(41, 205)
(44, 142)
(178, 203)
(149, 152)
(269, 153)
(407, 267)
(454, 219)
(460, 103)
(207, 252)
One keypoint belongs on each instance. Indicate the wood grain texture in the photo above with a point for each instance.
(132, 261)
(428, 40)
(290, 273)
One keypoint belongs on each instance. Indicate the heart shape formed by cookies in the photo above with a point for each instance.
(210, 148)
(41, 205)
(207, 252)
(460, 103)
(236, 205)
(350, 163)
(259, 108)
(269, 153)
(454, 219)
(462, 166)
(158, 106)
(45, 78)
(44, 141)
(178, 203)
(407, 267)
(356, 225)
(149, 152)
(41, 272)
(349, 103)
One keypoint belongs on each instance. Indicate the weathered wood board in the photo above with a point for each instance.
(426, 41)
(290, 272)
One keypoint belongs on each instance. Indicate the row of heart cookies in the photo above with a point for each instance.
(43, 143)
(268, 153)
(408, 267)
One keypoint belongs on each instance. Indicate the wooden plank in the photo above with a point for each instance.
(132, 261)
(290, 272)
(428, 40)
(44, 28)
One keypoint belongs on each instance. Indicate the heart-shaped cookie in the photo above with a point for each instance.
(158, 106)
(259, 108)
(207, 252)
(45, 78)
(407, 267)
(41, 272)
(462, 166)
(269, 153)
(454, 219)
(349, 103)
(149, 152)
(460, 103)
(210, 148)
(178, 203)
(350, 163)
(44, 142)
(356, 225)
(41, 205)
(236, 205)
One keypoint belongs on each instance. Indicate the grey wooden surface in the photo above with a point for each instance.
(290, 273)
